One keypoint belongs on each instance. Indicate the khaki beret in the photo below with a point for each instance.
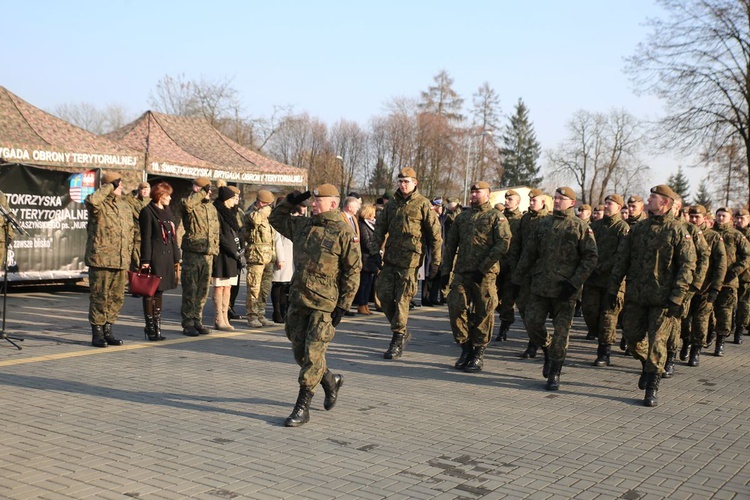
(535, 192)
(697, 210)
(202, 181)
(499, 206)
(407, 172)
(511, 192)
(567, 192)
(110, 177)
(741, 212)
(144, 185)
(724, 209)
(480, 185)
(325, 190)
(635, 199)
(235, 189)
(583, 207)
(265, 196)
(615, 198)
(599, 208)
(664, 190)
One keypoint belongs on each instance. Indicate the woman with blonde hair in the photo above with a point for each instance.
(371, 259)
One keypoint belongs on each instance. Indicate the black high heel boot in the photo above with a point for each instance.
(157, 317)
(148, 314)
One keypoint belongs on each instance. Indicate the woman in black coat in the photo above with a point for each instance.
(371, 260)
(228, 263)
(160, 254)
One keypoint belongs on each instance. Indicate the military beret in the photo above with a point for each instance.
(265, 196)
(599, 208)
(567, 192)
(583, 207)
(697, 210)
(499, 206)
(225, 193)
(615, 198)
(110, 177)
(686, 209)
(664, 190)
(325, 190)
(202, 181)
(235, 189)
(535, 192)
(481, 185)
(723, 209)
(511, 192)
(453, 200)
(635, 199)
(407, 172)
(144, 185)
(741, 212)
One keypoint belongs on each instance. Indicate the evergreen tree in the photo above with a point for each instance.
(520, 150)
(680, 184)
(703, 197)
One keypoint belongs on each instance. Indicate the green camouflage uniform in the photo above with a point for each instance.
(6, 232)
(108, 249)
(136, 205)
(738, 260)
(260, 253)
(701, 309)
(609, 232)
(658, 260)
(327, 263)
(199, 245)
(742, 318)
(409, 222)
(481, 237)
(562, 249)
(632, 221)
(505, 278)
(518, 245)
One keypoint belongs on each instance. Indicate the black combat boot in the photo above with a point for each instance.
(652, 387)
(301, 413)
(502, 330)
(108, 337)
(530, 351)
(97, 336)
(684, 350)
(738, 335)
(642, 378)
(331, 384)
(477, 360)
(465, 357)
(695, 355)
(602, 355)
(669, 365)
(148, 314)
(719, 350)
(553, 380)
(201, 328)
(398, 344)
(545, 368)
(623, 344)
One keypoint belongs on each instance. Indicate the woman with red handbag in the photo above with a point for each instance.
(160, 254)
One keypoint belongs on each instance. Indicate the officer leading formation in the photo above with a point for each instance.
(675, 281)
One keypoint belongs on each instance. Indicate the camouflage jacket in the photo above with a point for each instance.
(514, 221)
(609, 231)
(738, 253)
(657, 260)
(136, 205)
(702, 254)
(327, 260)
(481, 237)
(201, 222)
(561, 249)
(717, 264)
(110, 230)
(408, 221)
(745, 276)
(632, 221)
(259, 234)
(520, 239)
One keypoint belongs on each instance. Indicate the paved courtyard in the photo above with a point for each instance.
(203, 417)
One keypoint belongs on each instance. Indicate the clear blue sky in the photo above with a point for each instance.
(333, 59)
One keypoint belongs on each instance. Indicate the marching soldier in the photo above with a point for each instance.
(505, 279)
(742, 318)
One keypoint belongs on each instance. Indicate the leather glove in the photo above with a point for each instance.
(116, 183)
(712, 295)
(673, 310)
(515, 290)
(567, 291)
(336, 316)
(207, 188)
(295, 197)
(478, 276)
(434, 268)
(612, 301)
(445, 279)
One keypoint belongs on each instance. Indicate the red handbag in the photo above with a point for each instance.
(143, 285)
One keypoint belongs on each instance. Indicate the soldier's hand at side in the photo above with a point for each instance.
(567, 291)
(478, 276)
(713, 294)
(336, 316)
(673, 310)
(612, 301)
(444, 280)
(434, 269)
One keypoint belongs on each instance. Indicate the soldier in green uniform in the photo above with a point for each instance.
(408, 222)
(478, 239)
(505, 293)
(109, 247)
(742, 317)
(327, 263)
(562, 254)
(635, 210)
(261, 255)
(138, 199)
(658, 261)
(199, 245)
(601, 319)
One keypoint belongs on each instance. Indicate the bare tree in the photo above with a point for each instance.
(730, 175)
(89, 117)
(349, 142)
(392, 143)
(484, 132)
(213, 100)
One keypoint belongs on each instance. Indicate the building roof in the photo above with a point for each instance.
(31, 136)
(190, 147)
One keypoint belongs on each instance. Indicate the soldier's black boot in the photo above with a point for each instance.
(109, 337)
(602, 355)
(623, 344)
(545, 368)
(738, 335)
(466, 352)
(684, 350)
(652, 387)
(331, 384)
(719, 350)
(398, 344)
(301, 413)
(695, 355)
(669, 365)
(148, 314)
(553, 380)
(97, 336)
(201, 328)
(502, 330)
(530, 351)
(642, 378)
(591, 336)
(477, 360)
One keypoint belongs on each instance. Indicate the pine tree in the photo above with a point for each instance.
(703, 197)
(679, 184)
(520, 150)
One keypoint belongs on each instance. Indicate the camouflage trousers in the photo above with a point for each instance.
(646, 330)
(107, 294)
(505, 296)
(537, 310)
(396, 287)
(673, 343)
(523, 296)
(695, 326)
(309, 331)
(196, 279)
(600, 319)
(723, 311)
(742, 319)
(259, 281)
(471, 307)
